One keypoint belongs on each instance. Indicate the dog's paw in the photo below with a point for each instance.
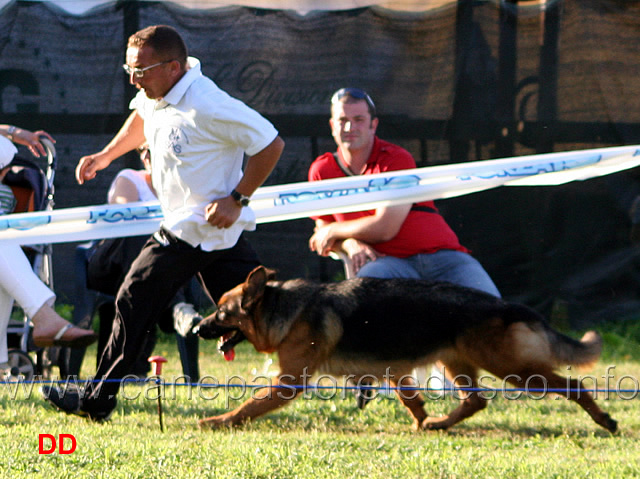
(216, 422)
(611, 424)
(435, 424)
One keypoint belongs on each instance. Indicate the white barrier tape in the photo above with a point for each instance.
(301, 200)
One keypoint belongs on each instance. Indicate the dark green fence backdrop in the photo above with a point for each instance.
(475, 80)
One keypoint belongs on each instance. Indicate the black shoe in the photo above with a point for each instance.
(70, 402)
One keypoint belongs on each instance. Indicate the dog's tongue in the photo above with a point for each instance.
(230, 354)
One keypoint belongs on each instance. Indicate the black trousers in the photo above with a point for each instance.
(163, 266)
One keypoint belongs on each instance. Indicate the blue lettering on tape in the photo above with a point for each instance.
(114, 214)
(7, 222)
(531, 170)
(376, 184)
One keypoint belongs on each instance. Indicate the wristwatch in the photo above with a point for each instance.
(10, 132)
(241, 199)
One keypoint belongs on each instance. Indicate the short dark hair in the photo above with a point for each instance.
(164, 40)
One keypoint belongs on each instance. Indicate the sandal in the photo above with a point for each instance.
(76, 341)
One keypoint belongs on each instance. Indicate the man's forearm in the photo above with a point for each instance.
(259, 167)
(129, 137)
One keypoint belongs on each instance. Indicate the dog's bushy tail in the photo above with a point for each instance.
(568, 351)
(583, 353)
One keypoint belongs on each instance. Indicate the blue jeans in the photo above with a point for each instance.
(444, 265)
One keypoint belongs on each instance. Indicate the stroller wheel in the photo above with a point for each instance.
(21, 366)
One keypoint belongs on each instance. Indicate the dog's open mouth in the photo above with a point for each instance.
(227, 342)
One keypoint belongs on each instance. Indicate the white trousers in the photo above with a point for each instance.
(19, 282)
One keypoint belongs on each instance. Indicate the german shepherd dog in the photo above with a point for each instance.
(384, 328)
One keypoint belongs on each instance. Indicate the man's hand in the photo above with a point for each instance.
(360, 253)
(88, 167)
(130, 136)
(322, 241)
(223, 212)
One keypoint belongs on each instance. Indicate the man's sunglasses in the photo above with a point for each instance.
(356, 93)
(139, 72)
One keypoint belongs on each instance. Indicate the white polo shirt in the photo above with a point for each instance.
(7, 151)
(198, 136)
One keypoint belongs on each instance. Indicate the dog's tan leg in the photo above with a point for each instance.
(298, 357)
(467, 408)
(411, 398)
(572, 389)
(265, 400)
(463, 375)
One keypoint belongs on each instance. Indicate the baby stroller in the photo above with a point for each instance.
(33, 188)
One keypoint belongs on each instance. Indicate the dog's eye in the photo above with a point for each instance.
(222, 315)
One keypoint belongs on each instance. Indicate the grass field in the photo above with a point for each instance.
(324, 435)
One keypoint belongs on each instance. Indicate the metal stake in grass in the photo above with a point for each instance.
(156, 363)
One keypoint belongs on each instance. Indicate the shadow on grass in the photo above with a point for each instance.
(381, 415)
(498, 429)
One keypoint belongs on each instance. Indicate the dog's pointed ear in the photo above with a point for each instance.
(253, 288)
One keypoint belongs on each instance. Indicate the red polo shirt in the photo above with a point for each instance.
(421, 232)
